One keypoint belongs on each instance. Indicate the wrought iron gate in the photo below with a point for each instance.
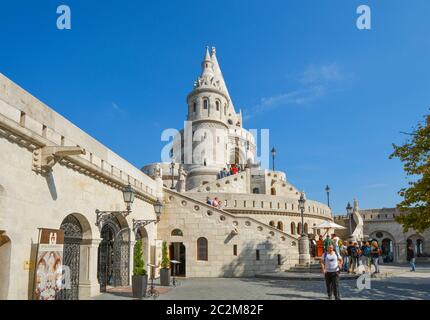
(121, 258)
(114, 256)
(71, 257)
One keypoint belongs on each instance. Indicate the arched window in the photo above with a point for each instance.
(280, 226)
(177, 233)
(299, 228)
(293, 228)
(272, 223)
(205, 103)
(217, 105)
(202, 249)
(256, 190)
(306, 228)
(273, 192)
(194, 107)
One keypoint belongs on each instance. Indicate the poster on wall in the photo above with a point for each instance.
(157, 255)
(49, 264)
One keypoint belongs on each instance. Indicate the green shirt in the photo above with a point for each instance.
(327, 243)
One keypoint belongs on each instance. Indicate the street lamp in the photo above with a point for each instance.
(327, 189)
(172, 167)
(158, 208)
(128, 195)
(304, 257)
(302, 202)
(273, 158)
(349, 212)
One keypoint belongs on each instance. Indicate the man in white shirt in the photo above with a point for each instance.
(331, 265)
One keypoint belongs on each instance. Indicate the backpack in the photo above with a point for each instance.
(366, 251)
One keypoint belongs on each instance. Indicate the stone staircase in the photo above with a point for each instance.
(313, 267)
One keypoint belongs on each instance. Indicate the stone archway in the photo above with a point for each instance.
(389, 247)
(5, 252)
(418, 243)
(76, 230)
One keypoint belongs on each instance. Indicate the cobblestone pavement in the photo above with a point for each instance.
(401, 284)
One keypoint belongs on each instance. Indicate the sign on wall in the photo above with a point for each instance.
(49, 264)
(157, 256)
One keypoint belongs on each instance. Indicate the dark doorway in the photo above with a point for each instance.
(177, 252)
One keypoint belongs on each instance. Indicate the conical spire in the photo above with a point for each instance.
(218, 74)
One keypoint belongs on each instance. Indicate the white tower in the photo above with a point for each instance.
(217, 135)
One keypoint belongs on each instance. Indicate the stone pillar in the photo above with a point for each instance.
(304, 256)
(88, 283)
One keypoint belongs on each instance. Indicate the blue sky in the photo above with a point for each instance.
(334, 98)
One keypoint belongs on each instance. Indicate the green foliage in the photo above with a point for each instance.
(415, 155)
(165, 261)
(138, 262)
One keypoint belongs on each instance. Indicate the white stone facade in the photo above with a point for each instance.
(255, 230)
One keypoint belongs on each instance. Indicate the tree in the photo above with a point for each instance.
(165, 261)
(415, 155)
(138, 262)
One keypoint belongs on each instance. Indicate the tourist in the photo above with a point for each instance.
(410, 254)
(327, 242)
(320, 247)
(335, 240)
(351, 254)
(375, 252)
(313, 245)
(330, 265)
(344, 254)
(209, 201)
(365, 256)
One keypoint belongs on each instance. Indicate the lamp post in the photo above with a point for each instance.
(137, 224)
(304, 257)
(327, 189)
(172, 168)
(273, 158)
(128, 195)
(349, 212)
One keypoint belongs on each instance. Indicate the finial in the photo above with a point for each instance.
(213, 50)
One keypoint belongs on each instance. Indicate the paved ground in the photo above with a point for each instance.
(397, 283)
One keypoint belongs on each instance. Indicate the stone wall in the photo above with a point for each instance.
(196, 219)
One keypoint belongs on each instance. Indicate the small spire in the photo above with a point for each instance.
(207, 55)
(213, 51)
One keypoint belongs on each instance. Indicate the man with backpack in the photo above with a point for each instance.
(365, 258)
(331, 263)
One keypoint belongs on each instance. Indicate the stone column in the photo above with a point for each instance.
(304, 256)
(88, 283)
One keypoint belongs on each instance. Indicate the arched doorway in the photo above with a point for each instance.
(5, 251)
(114, 255)
(418, 244)
(73, 235)
(177, 252)
(386, 243)
(387, 248)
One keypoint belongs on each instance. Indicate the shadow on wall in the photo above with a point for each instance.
(51, 185)
(250, 259)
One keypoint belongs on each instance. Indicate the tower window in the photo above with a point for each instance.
(194, 107)
(257, 255)
(235, 250)
(205, 104)
(217, 106)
